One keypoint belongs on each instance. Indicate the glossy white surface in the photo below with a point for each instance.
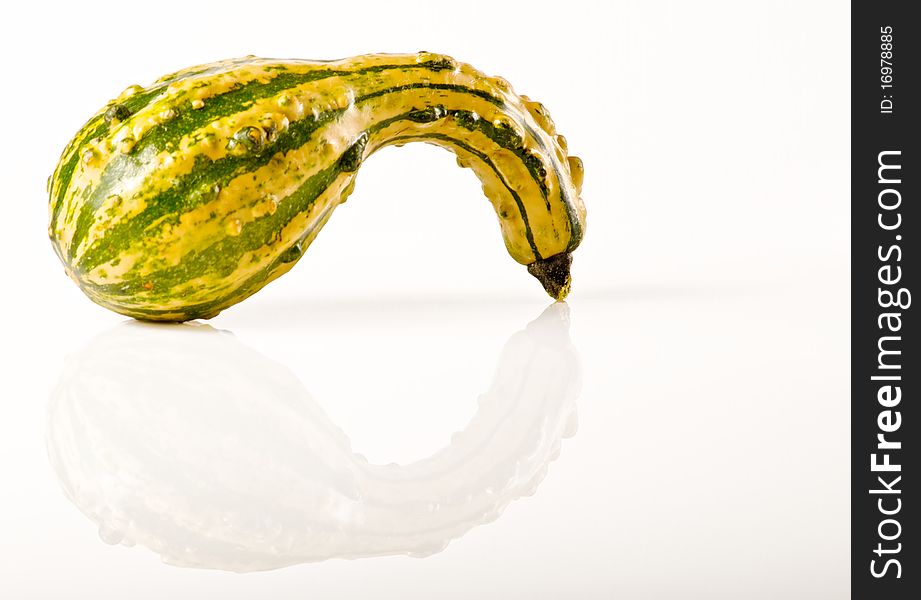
(709, 318)
(709, 452)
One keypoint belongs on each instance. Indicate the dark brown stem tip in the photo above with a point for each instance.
(553, 274)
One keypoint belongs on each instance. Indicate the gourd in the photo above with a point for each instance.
(181, 199)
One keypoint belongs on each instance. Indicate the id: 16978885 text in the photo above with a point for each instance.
(886, 69)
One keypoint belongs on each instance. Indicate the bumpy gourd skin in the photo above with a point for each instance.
(178, 200)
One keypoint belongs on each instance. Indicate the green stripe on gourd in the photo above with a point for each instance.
(297, 135)
(186, 192)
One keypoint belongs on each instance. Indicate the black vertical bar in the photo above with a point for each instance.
(885, 369)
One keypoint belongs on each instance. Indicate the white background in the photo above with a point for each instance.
(709, 308)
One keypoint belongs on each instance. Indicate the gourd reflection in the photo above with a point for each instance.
(185, 441)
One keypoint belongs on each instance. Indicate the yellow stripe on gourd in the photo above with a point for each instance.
(242, 201)
(211, 140)
(206, 287)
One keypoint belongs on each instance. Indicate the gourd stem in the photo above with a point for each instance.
(553, 274)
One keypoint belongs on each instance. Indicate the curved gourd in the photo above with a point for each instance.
(181, 199)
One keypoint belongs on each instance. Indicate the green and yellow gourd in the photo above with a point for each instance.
(181, 199)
